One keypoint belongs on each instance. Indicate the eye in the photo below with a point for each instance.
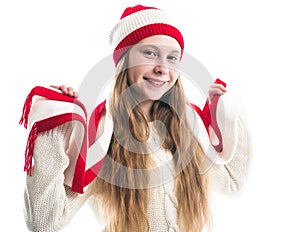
(173, 58)
(150, 53)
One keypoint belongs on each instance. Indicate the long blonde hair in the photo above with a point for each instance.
(120, 193)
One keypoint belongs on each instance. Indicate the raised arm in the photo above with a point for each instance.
(224, 135)
(230, 178)
(49, 204)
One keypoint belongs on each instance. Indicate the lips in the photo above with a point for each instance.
(155, 81)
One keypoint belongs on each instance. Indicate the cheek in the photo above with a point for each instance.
(174, 77)
(133, 75)
(135, 59)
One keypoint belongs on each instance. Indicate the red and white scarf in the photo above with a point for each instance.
(51, 109)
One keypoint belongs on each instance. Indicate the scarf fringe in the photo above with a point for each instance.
(50, 123)
(28, 167)
(82, 177)
(26, 109)
(47, 93)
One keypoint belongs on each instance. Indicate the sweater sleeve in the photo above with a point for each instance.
(229, 178)
(49, 204)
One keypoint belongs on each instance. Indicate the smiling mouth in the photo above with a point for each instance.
(155, 82)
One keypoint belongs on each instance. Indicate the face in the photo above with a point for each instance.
(153, 66)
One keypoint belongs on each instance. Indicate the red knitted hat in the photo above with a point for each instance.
(137, 23)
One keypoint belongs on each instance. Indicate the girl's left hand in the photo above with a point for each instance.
(216, 89)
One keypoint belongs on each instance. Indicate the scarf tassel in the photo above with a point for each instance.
(28, 167)
(26, 110)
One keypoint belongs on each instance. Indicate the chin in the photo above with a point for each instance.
(154, 98)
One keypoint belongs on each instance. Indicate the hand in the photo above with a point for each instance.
(66, 90)
(216, 89)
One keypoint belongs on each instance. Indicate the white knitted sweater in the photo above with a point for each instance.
(50, 204)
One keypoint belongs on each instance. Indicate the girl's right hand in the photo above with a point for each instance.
(66, 90)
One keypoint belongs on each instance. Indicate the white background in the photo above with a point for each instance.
(250, 44)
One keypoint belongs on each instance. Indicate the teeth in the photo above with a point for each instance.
(156, 82)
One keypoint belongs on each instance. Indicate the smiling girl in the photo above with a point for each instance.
(157, 171)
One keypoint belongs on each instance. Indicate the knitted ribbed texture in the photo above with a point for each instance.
(229, 179)
(162, 212)
(49, 206)
(140, 22)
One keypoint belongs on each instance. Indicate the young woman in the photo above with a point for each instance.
(157, 171)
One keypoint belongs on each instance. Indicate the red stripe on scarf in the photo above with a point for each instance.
(47, 93)
(45, 125)
(50, 123)
(209, 117)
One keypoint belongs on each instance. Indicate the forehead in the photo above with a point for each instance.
(161, 41)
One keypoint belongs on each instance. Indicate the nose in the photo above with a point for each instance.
(161, 69)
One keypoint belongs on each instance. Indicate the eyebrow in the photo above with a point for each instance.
(176, 51)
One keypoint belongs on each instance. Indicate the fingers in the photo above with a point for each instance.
(66, 90)
(216, 89)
